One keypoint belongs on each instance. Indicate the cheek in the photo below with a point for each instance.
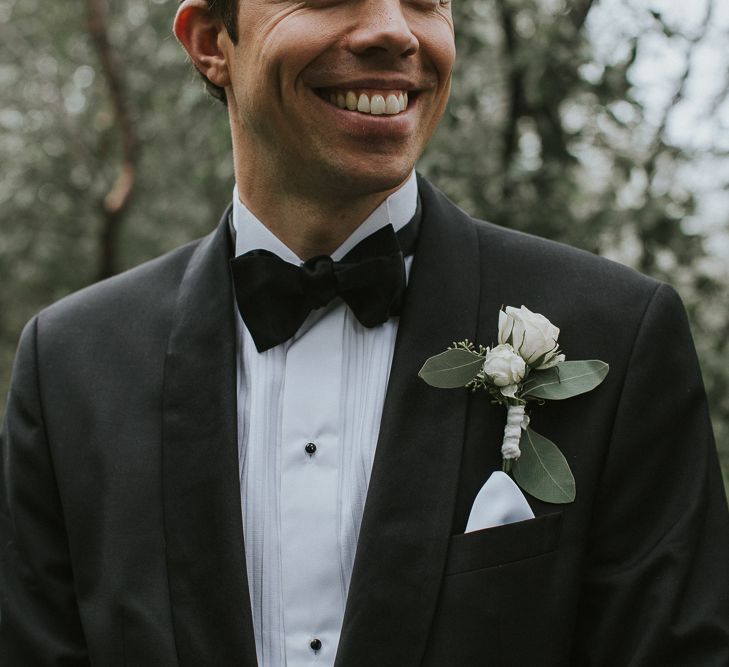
(443, 53)
(437, 39)
(289, 42)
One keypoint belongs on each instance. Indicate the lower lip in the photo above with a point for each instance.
(368, 126)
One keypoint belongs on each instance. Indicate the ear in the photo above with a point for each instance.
(201, 34)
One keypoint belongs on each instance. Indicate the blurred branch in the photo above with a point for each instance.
(516, 104)
(659, 145)
(721, 96)
(680, 91)
(579, 12)
(117, 199)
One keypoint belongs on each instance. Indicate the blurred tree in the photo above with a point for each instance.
(117, 199)
(544, 135)
(546, 132)
(60, 147)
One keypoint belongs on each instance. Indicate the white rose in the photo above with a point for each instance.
(505, 368)
(532, 335)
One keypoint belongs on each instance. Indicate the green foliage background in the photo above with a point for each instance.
(543, 133)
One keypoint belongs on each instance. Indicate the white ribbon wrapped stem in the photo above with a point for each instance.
(515, 420)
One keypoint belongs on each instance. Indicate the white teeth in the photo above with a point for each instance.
(393, 105)
(390, 104)
(351, 100)
(378, 105)
(363, 104)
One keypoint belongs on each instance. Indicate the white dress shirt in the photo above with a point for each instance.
(324, 388)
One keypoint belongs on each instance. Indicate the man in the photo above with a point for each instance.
(151, 427)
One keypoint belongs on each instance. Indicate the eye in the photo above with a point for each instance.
(431, 3)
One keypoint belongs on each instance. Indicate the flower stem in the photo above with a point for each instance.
(512, 431)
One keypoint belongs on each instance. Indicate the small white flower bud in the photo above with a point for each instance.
(504, 368)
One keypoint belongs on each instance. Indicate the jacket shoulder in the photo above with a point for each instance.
(564, 265)
(529, 259)
(142, 294)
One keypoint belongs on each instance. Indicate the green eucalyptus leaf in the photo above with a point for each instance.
(566, 379)
(542, 470)
(452, 368)
(538, 379)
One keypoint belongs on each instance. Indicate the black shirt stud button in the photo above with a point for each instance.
(310, 449)
(315, 644)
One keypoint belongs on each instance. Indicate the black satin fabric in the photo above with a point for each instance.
(274, 297)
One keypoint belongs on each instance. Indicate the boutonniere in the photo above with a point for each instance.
(526, 367)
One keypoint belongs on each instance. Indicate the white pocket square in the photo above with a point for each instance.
(498, 502)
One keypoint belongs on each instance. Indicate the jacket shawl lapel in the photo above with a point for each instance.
(203, 525)
(408, 514)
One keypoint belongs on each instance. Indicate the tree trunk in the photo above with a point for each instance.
(116, 201)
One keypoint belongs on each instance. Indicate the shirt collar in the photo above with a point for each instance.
(396, 210)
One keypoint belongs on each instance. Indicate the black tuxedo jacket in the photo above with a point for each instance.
(120, 523)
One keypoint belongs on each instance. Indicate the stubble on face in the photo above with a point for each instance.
(331, 103)
(297, 68)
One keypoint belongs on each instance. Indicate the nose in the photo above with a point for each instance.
(383, 27)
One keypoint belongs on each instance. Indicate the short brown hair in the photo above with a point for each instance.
(227, 12)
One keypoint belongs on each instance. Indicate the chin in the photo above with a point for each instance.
(370, 179)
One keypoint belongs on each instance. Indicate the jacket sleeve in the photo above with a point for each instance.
(656, 585)
(39, 618)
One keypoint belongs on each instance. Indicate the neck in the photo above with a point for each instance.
(309, 226)
(310, 220)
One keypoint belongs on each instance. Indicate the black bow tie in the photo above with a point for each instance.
(275, 297)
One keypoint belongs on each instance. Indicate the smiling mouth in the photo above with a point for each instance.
(373, 103)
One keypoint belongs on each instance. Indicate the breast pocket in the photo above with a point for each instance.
(499, 583)
(503, 544)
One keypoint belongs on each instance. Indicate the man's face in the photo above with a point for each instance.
(341, 94)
